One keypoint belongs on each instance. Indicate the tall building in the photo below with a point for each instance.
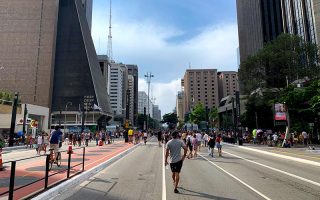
(228, 83)
(180, 106)
(299, 18)
(27, 53)
(118, 87)
(316, 14)
(78, 82)
(156, 113)
(47, 55)
(143, 103)
(105, 69)
(87, 4)
(200, 86)
(130, 98)
(133, 70)
(260, 21)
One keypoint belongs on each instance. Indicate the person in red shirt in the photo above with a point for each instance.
(218, 144)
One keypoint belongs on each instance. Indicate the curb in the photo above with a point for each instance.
(301, 160)
(55, 191)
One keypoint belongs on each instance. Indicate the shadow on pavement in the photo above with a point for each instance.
(187, 192)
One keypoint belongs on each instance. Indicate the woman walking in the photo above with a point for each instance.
(219, 146)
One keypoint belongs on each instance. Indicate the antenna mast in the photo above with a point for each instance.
(110, 38)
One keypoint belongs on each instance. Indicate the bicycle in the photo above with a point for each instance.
(52, 159)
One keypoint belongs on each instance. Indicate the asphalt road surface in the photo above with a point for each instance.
(239, 174)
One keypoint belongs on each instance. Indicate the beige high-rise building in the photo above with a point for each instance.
(180, 106)
(27, 41)
(200, 86)
(228, 83)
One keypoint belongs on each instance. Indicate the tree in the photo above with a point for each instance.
(288, 57)
(214, 115)
(171, 119)
(198, 114)
(7, 96)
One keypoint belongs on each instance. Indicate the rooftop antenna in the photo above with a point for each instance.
(110, 38)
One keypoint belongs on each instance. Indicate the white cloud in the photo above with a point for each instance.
(146, 44)
(164, 93)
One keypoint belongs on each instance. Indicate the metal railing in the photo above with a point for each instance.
(46, 177)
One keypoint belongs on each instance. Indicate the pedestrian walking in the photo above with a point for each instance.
(205, 139)
(195, 144)
(174, 148)
(218, 144)
(189, 145)
(211, 144)
(199, 140)
(159, 138)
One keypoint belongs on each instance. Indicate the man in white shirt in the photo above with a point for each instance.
(199, 139)
(305, 137)
(205, 139)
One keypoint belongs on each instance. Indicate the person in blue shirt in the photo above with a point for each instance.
(55, 138)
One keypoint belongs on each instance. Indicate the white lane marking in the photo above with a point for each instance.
(277, 170)
(164, 188)
(245, 184)
(304, 161)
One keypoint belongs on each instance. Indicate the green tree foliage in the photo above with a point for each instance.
(198, 114)
(6, 96)
(142, 118)
(288, 56)
(213, 115)
(170, 118)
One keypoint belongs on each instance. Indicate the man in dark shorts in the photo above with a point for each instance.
(159, 138)
(174, 147)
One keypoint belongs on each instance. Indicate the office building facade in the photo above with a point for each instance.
(143, 103)
(200, 86)
(180, 106)
(133, 70)
(156, 113)
(118, 88)
(228, 83)
(260, 21)
(130, 98)
(47, 55)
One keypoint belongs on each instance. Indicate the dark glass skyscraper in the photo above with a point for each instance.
(260, 21)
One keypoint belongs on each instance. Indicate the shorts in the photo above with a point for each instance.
(159, 139)
(176, 167)
(218, 145)
(198, 143)
(55, 147)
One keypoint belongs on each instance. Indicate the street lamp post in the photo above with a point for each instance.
(65, 117)
(148, 76)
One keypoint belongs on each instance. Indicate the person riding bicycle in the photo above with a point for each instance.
(54, 140)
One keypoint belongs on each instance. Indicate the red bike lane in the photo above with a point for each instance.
(28, 171)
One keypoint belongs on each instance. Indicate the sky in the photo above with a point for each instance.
(166, 37)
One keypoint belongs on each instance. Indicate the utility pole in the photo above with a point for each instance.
(13, 118)
(110, 37)
(148, 76)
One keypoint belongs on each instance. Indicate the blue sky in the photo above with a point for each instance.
(165, 36)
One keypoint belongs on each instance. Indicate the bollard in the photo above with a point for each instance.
(69, 160)
(84, 152)
(12, 177)
(1, 164)
(46, 177)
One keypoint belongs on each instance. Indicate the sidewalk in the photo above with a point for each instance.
(31, 170)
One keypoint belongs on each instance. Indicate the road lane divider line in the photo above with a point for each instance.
(275, 169)
(164, 187)
(236, 178)
(301, 160)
